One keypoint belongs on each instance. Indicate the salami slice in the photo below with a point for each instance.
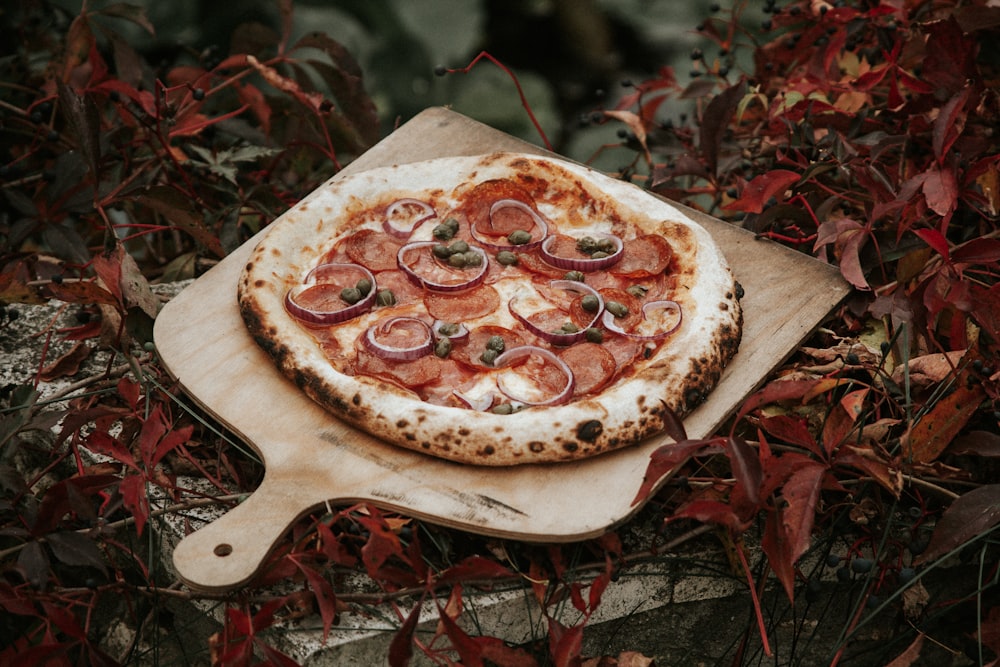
(371, 249)
(462, 306)
(647, 255)
(408, 374)
(470, 351)
(482, 197)
(593, 366)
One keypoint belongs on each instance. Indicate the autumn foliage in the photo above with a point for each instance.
(862, 133)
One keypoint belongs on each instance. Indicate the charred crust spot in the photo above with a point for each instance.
(571, 446)
(724, 306)
(489, 450)
(249, 267)
(536, 446)
(402, 423)
(425, 444)
(411, 437)
(693, 397)
(259, 283)
(275, 252)
(464, 431)
(739, 291)
(589, 430)
(357, 399)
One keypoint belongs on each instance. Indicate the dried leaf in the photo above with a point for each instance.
(66, 365)
(971, 515)
(81, 292)
(941, 191)
(936, 429)
(928, 369)
(758, 191)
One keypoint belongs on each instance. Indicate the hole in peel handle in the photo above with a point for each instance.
(228, 552)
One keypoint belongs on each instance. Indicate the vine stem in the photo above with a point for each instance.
(756, 601)
(517, 84)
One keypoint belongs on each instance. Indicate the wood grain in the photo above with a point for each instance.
(311, 458)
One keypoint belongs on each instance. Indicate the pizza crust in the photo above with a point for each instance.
(676, 379)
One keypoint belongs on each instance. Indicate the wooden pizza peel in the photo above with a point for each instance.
(311, 458)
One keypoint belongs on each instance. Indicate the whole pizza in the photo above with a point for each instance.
(494, 310)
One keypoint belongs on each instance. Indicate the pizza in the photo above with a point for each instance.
(494, 310)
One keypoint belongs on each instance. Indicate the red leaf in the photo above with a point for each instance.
(936, 429)
(801, 493)
(153, 428)
(565, 644)
(715, 122)
(469, 650)
(401, 646)
(947, 126)
(108, 267)
(171, 441)
(665, 460)
(757, 192)
(978, 251)
(326, 599)
(710, 511)
(941, 191)
(936, 240)
(746, 467)
(276, 657)
(333, 548)
(133, 490)
(473, 567)
(970, 515)
(842, 418)
(791, 430)
(776, 392)
(381, 545)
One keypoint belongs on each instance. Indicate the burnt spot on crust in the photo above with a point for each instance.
(357, 399)
(589, 430)
(739, 290)
(488, 450)
(402, 423)
(536, 446)
(259, 283)
(464, 431)
(571, 446)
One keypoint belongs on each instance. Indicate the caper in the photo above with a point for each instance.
(458, 246)
(473, 258)
(489, 356)
(599, 254)
(586, 244)
(502, 409)
(606, 246)
(364, 286)
(457, 260)
(590, 303)
(448, 329)
(519, 237)
(495, 343)
(443, 347)
(385, 297)
(616, 308)
(441, 251)
(638, 291)
(594, 335)
(506, 258)
(569, 327)
(575, 276)
(351, 295)
(446, 230)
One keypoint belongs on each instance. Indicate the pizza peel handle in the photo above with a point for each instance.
(228, 552)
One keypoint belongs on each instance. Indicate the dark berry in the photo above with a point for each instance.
(198, 94)
(861, 565)
(714, 7)
(843, 574)
(696, 54)
(36, 116)
(906, 575)
(874, 601)
(12, 314)
(917, 546)
(440, 70)
(53, 135)
(765, 24)
(832, 560)
(915, 512)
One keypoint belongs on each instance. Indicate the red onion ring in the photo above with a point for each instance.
(609, 320)
(420, 281)
(513, 203)
(481, 404)
(523, 351)
(402, 229)
(325, 317)
(395, 352)
(583, 263)
(561, 339)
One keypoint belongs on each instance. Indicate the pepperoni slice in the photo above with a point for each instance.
(625, 350)
(373, 250)
(399, 284)
(468, 351)
(462, 306)
(644, 256)
(530, 261)
(508, 219)
(409, 374)
(593, 366)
